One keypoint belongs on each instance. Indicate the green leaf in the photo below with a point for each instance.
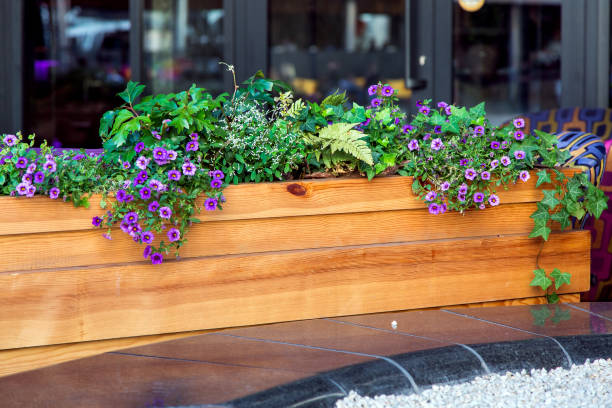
(575, 209)
(543, 177)
(560, 278)
(574, 190)
(540, 231)
(549, 199)
(416, 187)
(541, 215)
(239, 157)
(106, 122)
(596, 207)
(552, 298)
(133, 90)
(342, 137)
(195, 220)
(541, 279)
(563, 218)
(102, 203)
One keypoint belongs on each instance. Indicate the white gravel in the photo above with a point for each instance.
(588, 385)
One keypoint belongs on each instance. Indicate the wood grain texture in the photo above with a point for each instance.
(81, 248)
(253, 201)
(83, 304)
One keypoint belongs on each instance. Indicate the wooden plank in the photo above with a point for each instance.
(204, 293)
(249, 201)
(87, 248)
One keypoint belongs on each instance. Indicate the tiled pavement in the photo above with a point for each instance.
(313, 363)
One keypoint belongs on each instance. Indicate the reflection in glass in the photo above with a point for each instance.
(319, 46)
(76, 55)
(183, 44)
(508, 54)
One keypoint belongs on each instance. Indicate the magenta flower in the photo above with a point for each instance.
(10, 140)
(165, 212)
(31, 191)
(193, 136)
(442, 104)
(495, 145)
(519, 123)
(174, 175)
(518, 135)
(125, 226)
(218, 174)
(50, 166)
(485, 175)
(155, 185)
(437, 144)
(387, 91)
(210, 204)
(174, 234)
(159, 153)
(131, 217)
(493, 200)
(142, 162)
(431, 196)
(96, 221)
(372, 90)
(216, 183)
(156, 134)
(482, 206)
(448, 111)
(192, 146)
(31, 168)
(147, 251)
(166, 122)
(126, 165)
(413, 145)
(145, 193)
(437, 129)
(478, 197)
(463, 189)
(153, 206)
(157, 258)
(461, 197)
(139, 147)
(470, 174)
(424, 110)
(135, 230)
(434, 209)
(22, 188)
(39, 177)
(524, 175)
(189, 169)
(494, 164)
(376, 102)
(172, 155)
(504, 145)
(443, 208)
(121, 195)
(463, 162)
(407, 128)
(519, 155)
(22, 163)
(129, 198)
(479, 130)
(445, 186)
(54, 193)
(505, 161)
(27, 178)
(147, 237)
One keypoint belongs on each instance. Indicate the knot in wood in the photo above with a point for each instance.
(296, 189)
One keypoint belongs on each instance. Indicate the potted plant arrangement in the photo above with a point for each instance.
(280, 209)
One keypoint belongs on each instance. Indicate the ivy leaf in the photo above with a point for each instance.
(575, 209)
(541, 279)
(540, 231)
(563, 218)
(574, 190)
(552, 298)
(560, 278)
(596, 207)
(416, 187)
(549, 199)
(541, 215)
(543, 177)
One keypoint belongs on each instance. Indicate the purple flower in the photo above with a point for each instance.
(424, 110)
(210, 204)
(129, 198)
(413, 145)
(10, 140)
(125, 226)
(426, 136)
(479, 130)
(437, 144)
(407, 128)
(153, 206)
(504, 145)
(461, 197)
(157, 258)
(165, 212)
(482, 206)
(470, 174)
(448, 111)
(493, 200)
(485, 175)
(396, 121)
(478, 197)
(216, 183)
(54, 193)
(495, 145)
(442, 104)
(78, 157)
(174, 234)
(189, 169)
(107, 236)
(31, 191)
(145, 193)
(445, 186)
(126, 165)
(437, 129)
(139, 147)
(135, 230)
(22, 188)
(519, 123)
(155, 185)
(431, 196)
(463, 162)
(147, 251)
(519, 155)
(50, 166)
(218, 174)
(387, 91)
(518, 135)
(505, 161)
(147, 237)
(96, 221)
(193, 136)
(31, 168)
(22, 163)
(443, 208)
(434, 209)
(127, 183)
(192, 146)
(142, 162)
(27, 178)
(174, 175)
(143, 175)
(172, 155)
(156, 134)
(166, 122)
(121, 195)
(494, 164)
(39, 177)
(160, 154)
(372, 90)
(524, 175)
(366, 122)
(131, 217)
(463, 188)
(376, 102)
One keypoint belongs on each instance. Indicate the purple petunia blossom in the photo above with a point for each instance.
(437, 129)
(426, 136)
(39, 177)
(524, 175)
(156, 185)
(216, 183)
(506, 161)
(153, 206)
(192, 146)
(78, 157)
(129, 198)
(413, 145)
(437, 144)
(156, 134)
(443, 208)
(504, 145)
(142, 162)
(10, 140)
(448, 111)
(463, 188)
(470, 174)
(96, 221)
(193, 136)
(372, 90)
(22, 188)
(445, 186)
(518, 135)
(424, 110)
(210, 204)
(434, 209)
(145, 193)
(519, 155)
(485, 175)
(126, 165)
(22, 163)
(159, 153)
(143, 175)
(366, 122)
(189, 169)
(376, 102)
(478, 197)
(139, 147)
(125, 226)
(174, 175)
(387, 91)
(218, 174)
(131, 217)
(431, 196)
(519, 123)
(147, 237)
(135, 230)
(442, 104)
(127, 183)
(482, 206)
(50, 166)
(419, 103)
(396, 121)
(31, 191)
(147, 251)
(172, 155)
(463, 162)
(31, 168)
(173, 234)
(157, 258)
(479, 130)
(494, 164)
(493, 200)
(461, 197)
(27, 178)
(54, 193)
(165, 212)
(107, 236)
(121, 195)
(495, 145)
(407, 128)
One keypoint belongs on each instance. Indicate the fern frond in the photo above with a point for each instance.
(342, 137)
(335, 99)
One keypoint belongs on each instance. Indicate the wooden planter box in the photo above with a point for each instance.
(277, 252)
